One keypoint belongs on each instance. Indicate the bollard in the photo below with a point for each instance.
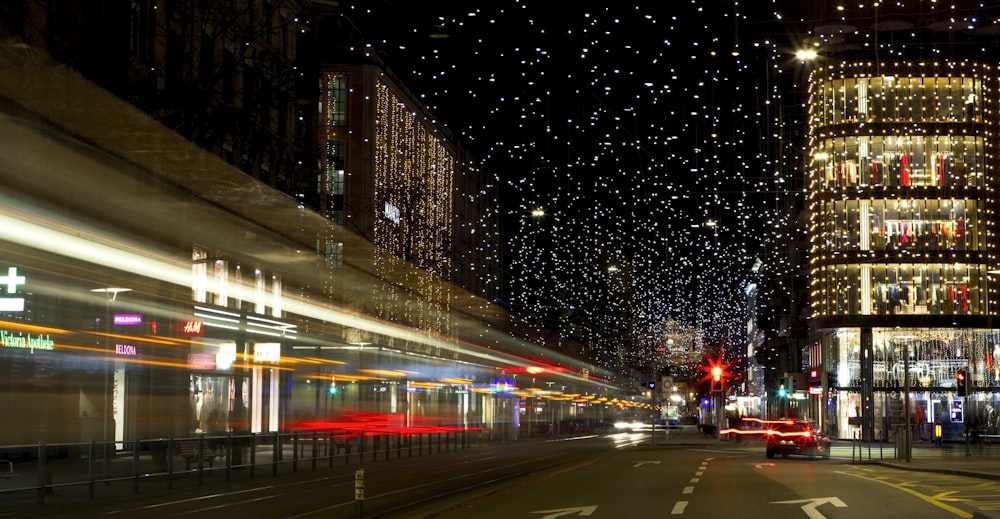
(359, 492)
(295, 451)
(315, 444)
(42, 476)
(90, 469)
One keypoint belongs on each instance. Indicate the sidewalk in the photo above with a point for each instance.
(975, 460)
(980, 460)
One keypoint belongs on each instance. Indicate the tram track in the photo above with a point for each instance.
(404, 487)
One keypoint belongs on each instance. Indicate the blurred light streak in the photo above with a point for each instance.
(23, 225)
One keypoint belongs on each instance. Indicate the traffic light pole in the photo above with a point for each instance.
(962, 387)
(965, 411)
(907, 433)
(719, 415)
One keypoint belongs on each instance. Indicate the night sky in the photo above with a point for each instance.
(646, 133)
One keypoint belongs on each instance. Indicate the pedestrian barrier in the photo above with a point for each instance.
(194, 452)
(89, 471)
(10, 473)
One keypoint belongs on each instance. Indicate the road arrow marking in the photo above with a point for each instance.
(582, 511)
(946, 496)
(812, 504)
(641, 463)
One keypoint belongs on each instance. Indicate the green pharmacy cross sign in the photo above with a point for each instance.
(11, 281)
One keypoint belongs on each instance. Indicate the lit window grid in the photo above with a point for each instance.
(930, 93)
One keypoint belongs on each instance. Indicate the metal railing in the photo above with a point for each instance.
(88, 471)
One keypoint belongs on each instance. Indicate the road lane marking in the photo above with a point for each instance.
(679, 508)
(695, 480)
(688, 490)
(929, 499)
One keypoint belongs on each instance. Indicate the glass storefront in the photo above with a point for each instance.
(932, 357)
(900, 289)
(898, 161)
(898, 93)
(900, 224)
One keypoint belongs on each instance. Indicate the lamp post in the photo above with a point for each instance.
(107, 438)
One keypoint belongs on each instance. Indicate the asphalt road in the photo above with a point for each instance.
(707, 482)
(601, 476)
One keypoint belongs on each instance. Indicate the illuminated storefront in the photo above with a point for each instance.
(903, 215)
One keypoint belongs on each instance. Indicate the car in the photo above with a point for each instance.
(787, 437)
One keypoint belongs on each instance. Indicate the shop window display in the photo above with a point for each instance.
(900, 288)
(943, 161)
(894, 98)
(934, 358)
(210, 397)
(917, 225)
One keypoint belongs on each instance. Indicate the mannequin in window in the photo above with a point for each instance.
(904, 170)
(996, 362)
(970, 107)
(960, 233)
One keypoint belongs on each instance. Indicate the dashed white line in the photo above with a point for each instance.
(688, 490)
(695, 480)
(679, 508)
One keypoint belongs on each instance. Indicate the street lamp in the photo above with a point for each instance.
(111, 295)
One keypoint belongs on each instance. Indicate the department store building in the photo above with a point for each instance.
(902, 186)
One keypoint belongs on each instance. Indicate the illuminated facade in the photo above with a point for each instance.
(902, 182)
(389, 174)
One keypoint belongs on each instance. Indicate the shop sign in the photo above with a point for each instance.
(127, 350)
(12, 304)
(128, 319)
(201, 361)
(193, 327)
(26, 341)
(267, 352)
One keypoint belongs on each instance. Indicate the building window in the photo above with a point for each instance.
(899, 161)
(276, 295)
(334, 256)
(900, 289)
(260, 292)
(335, 158)
(336, 100)
(199, 275)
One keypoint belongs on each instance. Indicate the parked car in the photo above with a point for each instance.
(796, 437)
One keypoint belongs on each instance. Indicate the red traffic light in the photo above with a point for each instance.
(960, 383)
(716, 373)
